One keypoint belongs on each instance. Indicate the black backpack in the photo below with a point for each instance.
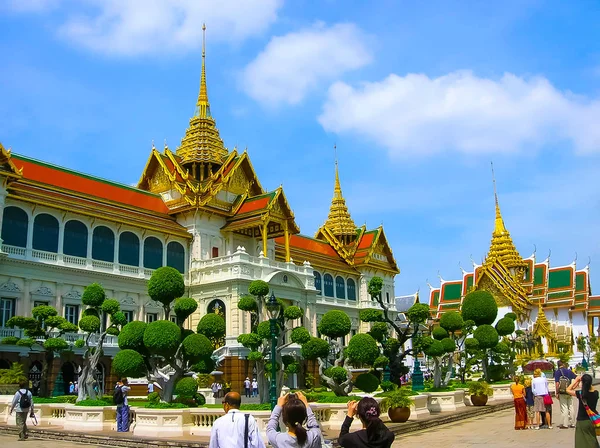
(118, 396)
(25, 401)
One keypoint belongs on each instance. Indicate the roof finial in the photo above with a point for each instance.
(499, 227)
(203, 106)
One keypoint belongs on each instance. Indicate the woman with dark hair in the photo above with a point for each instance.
(295, 411)
(374, 434)
(585, 433)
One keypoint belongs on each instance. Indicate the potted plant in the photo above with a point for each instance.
(479, 392)
(398, 406)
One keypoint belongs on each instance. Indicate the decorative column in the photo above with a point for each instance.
(29, 236)
(3, 194)
(61, 241)
(116, 254)
(141, 259)
(164, 260)
(89, 248)
(286, 237)
(25, 308)
(265, 229)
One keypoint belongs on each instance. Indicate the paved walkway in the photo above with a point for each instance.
(493, 431)
(11, 442)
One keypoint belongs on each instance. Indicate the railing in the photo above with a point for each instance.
(42, 255)
(11, 332)
(205, 420)
(77, 261)
(13, 250)
(102, 264)
(57, 412)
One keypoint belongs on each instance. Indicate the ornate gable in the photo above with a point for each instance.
(7, 166)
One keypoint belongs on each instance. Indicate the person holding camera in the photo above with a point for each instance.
(374, 433)
(295, 411)
(22, 403)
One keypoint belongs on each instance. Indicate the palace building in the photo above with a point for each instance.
(200, 209)
(554, 305)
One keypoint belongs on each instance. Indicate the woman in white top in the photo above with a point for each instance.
(539, 387)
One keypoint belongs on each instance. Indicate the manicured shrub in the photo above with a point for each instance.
(212, 326)
(250, 340)
(184, 307)
(247, 303)
(90, 324)
(113, 331)
(335, 324)
(111, 306)
(186, 387)
(362, 349)
(501, 347)
(367, 382)
(154, 397)
(505, 326)
(118, 318)
(162, 337)
(480, 307)
(255, 356)
(435, 349)
(259, 288)
(418, 313)
(370, 315)
(89, 402)
(196, 346)
(337, 374)
(315, 348)
(204, 365)
(439, 333)
(496, 372)
(10, 340)
(79, 343)
(300, 335)
(129, 363)
(451, 321)
(379, 330)
(388, 386)
(43, 312)
(381, 362)
(90, 312)
(165, 285)
(93, 295)
(293, 312)
(512, 316)
(132, 336)
(486, 335)
(471, 344)
(448, 344)
(264, 329)
(55, 344)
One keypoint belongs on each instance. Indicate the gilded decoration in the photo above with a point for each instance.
(160, 182)
(339, 221)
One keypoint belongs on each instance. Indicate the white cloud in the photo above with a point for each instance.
(292, 65)
(416, 114)
(131, 27)
(30, 5)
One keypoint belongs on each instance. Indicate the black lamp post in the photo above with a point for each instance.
(273, 312)
(417, 376)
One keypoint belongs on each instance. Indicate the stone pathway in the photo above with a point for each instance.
(11, 442)
(493, 431)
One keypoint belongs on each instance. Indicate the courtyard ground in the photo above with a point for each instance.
(492, 431)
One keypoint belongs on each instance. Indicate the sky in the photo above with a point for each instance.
(418, 97)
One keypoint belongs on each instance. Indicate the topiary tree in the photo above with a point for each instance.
(480, 307)
(95, 299)
(259, 339)
(168, 351)
(506, 329)
(213, 327)
(44, 329)
(394, 350)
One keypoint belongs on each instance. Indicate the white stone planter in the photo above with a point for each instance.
(419, 409)
(161, 422)
(459, 398)
(89, 418)
(501, 392)
(441, 401)
(208, 395)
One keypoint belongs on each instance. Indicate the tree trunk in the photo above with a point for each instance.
(449, 374)
(45, 376)
(263, 384)
(167, 382)
(484, 365)
(88, 378)
(437, 372)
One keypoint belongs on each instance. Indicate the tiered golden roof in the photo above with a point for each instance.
(339, 221)
(202, 142)
(542, 327)
(502, 246)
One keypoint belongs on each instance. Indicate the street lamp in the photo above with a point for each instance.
(417, 376)
(273, 309)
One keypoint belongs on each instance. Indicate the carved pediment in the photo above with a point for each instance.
(127, 301)
(72, 294)
(43, 291)
(10, 286)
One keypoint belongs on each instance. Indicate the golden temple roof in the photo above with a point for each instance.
(202, 142)
(339, 221)
(542, 326)
(502, 246)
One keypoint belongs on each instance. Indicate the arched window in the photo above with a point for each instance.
(351, 289)
(340, 288)
(328, 285)
(153, 253)
(103, 244)
(318, 286)
(76, 239)
(45, 233)
(14, 226)
(129, 249)
(176, 256)
(217, 307)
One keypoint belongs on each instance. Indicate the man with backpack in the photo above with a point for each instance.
(22, 403)
(120, 399)
(563, 378)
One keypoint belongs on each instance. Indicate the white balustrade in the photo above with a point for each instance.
(14, 250)
(43, 255)
(72, 260)
(11, 332)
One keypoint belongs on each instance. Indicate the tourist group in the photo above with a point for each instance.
(533, 404)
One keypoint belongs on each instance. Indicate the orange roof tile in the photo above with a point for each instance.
(310, 245)
(367, 239)
(81, 183)
(255, 203)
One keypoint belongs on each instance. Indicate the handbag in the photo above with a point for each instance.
(595, 418)
(548, 400)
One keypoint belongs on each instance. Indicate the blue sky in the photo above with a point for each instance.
(419, 98)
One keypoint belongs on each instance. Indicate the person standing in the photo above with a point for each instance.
(215, 389)
(22, 403)
(529, 401)
(374, 433)
(71, 388)
(585, 432)
(254, 387)
(247, 387)
(295, 411)
(150, 387)
(235, 429)
(539, 387)
(120, 399)
(563, 378)
(518, 392)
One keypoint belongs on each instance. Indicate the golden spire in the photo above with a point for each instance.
(502, 246)
(202, 105)
(339, 221)
(202, 143)
(542, 326)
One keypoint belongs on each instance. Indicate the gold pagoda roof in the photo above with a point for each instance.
(502, 246)
(339, 222)
(542, 327)
(202, 142)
